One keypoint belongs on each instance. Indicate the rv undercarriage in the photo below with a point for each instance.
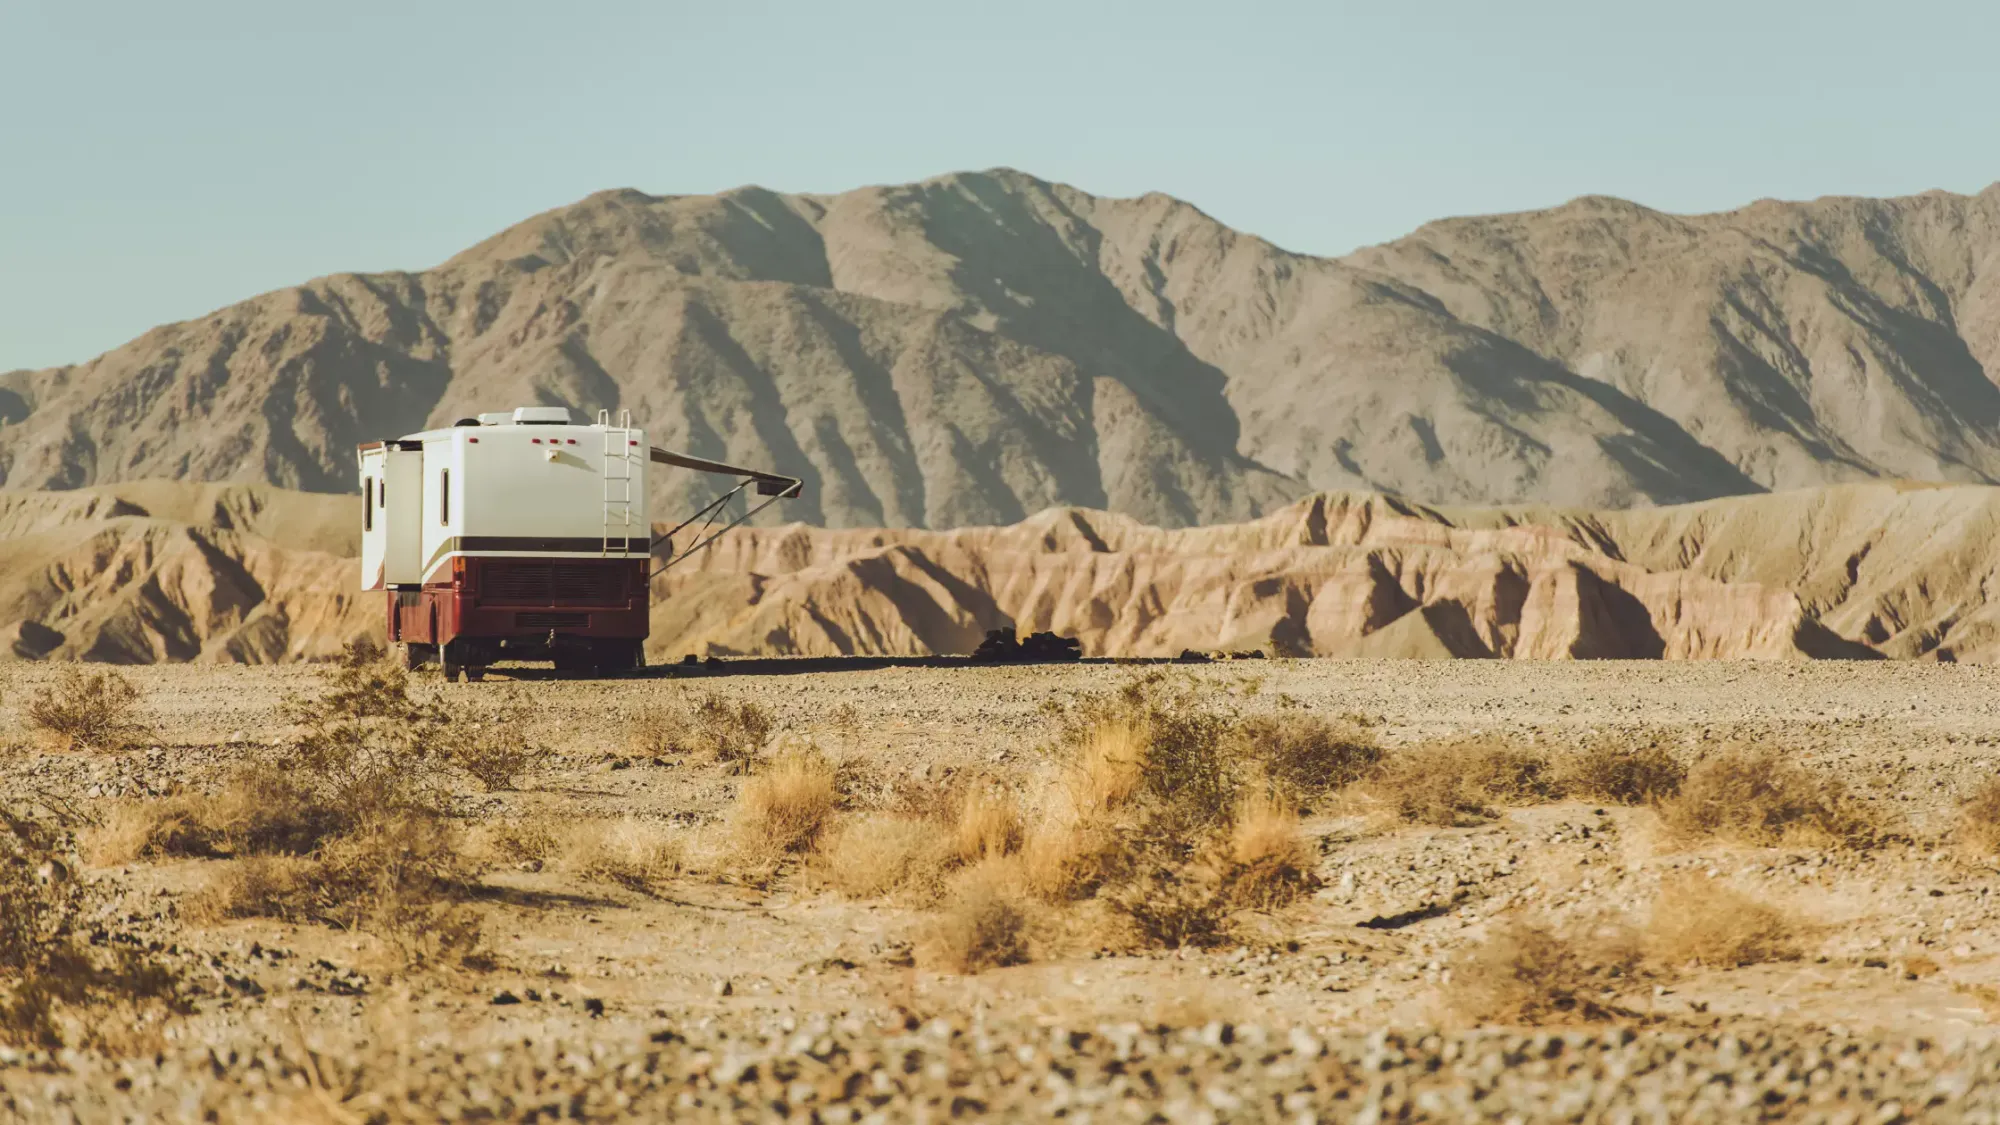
(581, 614)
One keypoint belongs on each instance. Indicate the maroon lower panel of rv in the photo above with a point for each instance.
(498, 599)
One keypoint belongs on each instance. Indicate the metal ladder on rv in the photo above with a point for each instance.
(618, 475)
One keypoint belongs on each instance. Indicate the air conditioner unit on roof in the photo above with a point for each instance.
(542, 415)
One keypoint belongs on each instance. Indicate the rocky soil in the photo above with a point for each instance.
(698, 999)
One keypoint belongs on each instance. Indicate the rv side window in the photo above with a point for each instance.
(383, 493)
(444, 496)
(367, 503)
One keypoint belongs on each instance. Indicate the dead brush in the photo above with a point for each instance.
(494, 752)
(981, 926)
(783, 807)
(1977, 830)
(1171, 906)
(1458, 783)
(1308, 757)
(1755, 796)
(878, 854)
(404, 878)
(87, 711)
(988, 824)
(1530, 973)
(1270, 863)
(55, 987)
(1699, 921)
(363, 683)
(1627, 775)
(710, 727)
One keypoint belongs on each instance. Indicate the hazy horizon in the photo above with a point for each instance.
(168, 163)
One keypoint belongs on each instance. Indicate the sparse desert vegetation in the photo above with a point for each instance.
(1206, 856)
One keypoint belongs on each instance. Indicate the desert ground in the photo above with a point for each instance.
(1658, 891)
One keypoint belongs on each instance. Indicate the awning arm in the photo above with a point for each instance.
(773, 485)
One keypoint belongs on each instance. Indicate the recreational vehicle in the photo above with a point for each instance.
(522, 536)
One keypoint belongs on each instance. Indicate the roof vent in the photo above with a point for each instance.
(541, 415)
(496, 418)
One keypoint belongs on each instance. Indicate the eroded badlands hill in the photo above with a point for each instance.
(153, 572)
(975, 348)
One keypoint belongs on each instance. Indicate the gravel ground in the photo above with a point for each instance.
(704, 1001)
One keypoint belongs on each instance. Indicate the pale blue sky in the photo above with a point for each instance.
(159, 160)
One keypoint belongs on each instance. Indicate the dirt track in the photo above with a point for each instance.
(631, 988)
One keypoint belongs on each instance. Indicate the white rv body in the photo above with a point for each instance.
(515, 488)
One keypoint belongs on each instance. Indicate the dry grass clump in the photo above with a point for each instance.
(54, 987)
(1161, 820)
(635, 852)
(879, 854)
(1173, 817)
(1272, 865)
(785, 805)
(982, 926)
(1697, 920)
(346, 826)
(1308, 757)
(988, 825)
(710, 727)
(1627, 775)
(1459, 783)
(1532, 973)
(1978, 827)
(403, 878)
(87, 711)
(1755, 796)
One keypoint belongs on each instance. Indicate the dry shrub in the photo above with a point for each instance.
(54, 986)
(93, 711)
(711, 727)
(1309, 757)
(494, 753)
(1172, 906)
(982, 926)
(1627, 775)
(879, 854)
(347, 826)
(363, 684)
(784, 806)
(630, 851)
(1271, 865)
(1978, 827)
(634, 852)
(403, 878)
(1756, 797)
(988, 824)
(1458, 784)
(1528, 973)
(1697, 920)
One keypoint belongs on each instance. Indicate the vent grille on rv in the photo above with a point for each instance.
(566, 584)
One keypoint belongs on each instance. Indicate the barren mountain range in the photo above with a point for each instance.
(973, 349)
(148, 572)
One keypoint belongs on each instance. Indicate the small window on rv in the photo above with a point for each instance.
(383, 493)
(444, 496)
(367, 503)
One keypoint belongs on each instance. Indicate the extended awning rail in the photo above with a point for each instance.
(773, 486)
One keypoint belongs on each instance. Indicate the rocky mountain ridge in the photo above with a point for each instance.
(972, 349)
